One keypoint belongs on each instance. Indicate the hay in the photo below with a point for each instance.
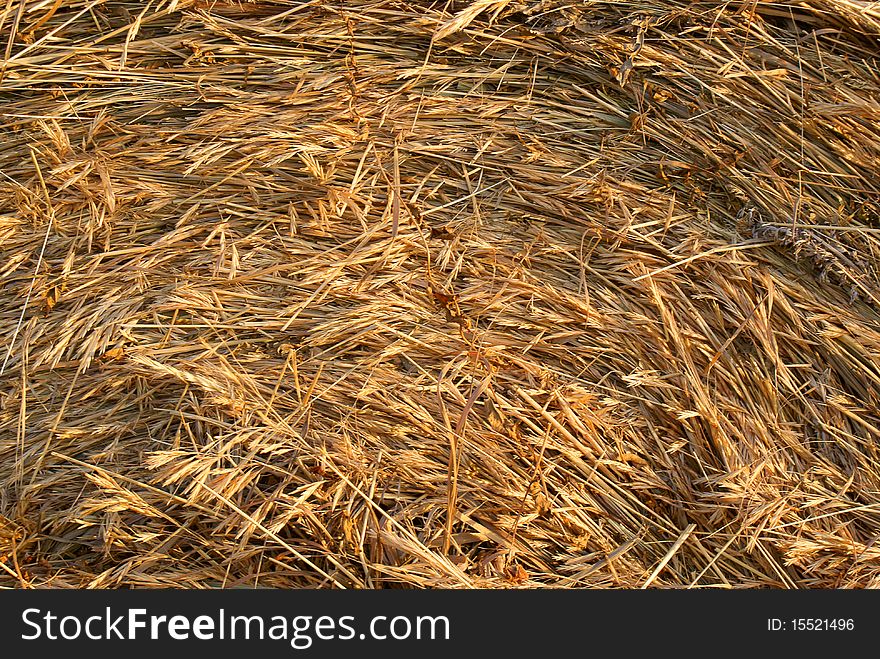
(489, 294)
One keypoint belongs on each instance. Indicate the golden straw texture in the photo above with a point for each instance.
(485, 294)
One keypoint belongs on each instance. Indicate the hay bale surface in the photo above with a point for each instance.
(465, 294)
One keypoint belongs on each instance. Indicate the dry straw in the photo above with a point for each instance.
(446, 294)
